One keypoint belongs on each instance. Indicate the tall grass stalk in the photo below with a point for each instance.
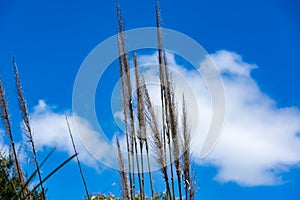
(125, 113)
(6, 123)
(142, 122)
(141, 119)
(26, 120)
(186, 152)
(129, 138)
(128, 91)
(165, 95)
(77, 158)
(157, 142)
(173, 123)
(125, 187)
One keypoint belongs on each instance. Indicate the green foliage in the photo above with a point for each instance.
(9, 181)
(103, 197)
(11, 187)
(157, 196)
(8, 184)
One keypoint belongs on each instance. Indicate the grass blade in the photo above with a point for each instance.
(78, 162)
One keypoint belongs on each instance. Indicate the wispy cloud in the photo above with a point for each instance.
(50, 130)
(259, 139)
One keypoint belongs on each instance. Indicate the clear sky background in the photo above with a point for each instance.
(50, 40)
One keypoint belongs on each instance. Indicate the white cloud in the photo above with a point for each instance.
(232, 63)
(50, 130)
(259, 139)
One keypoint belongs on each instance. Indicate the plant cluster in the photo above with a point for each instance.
(170, 137)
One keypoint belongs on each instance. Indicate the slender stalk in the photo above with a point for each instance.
(77, 158)
(126, 72)
(132, 126)
(125, 113)
(157, 142)
(186, 159)
(149, 169)
(25, 116)
(165, 131)
(171, 166)
(6, 123)
(125, 188)
(130, 151)
(141, 119)
(193, 185)
(170, 99)
(188, 182)
(161, 72)
(141, 86)
(168, 136)
(55, 170)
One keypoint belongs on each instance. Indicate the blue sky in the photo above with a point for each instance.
(50, 40)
